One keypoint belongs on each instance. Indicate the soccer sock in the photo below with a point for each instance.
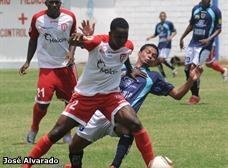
(38, 114)
(160, 68)
(41, 148)
(144, 145)
(123, 147)
(186, 70)
(76, 159)
(216, 66)
(169, 65)
(195, 88)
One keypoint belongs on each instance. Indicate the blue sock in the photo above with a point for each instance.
(123, 147)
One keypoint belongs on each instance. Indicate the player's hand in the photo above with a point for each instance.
(196, 72)
(77, 39)
(205, 41)
(181, 44)
(86, 28)
(137, 72)
(70, 57)
(22, 70)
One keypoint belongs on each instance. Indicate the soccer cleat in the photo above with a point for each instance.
(225, 74)
(67, 139)
(193, 100)
(31, 136)
(174, 72)
(111, 166)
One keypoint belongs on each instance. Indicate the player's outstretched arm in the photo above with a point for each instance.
(195, 74)
(30, 53)
(77, 39)
(150, 37)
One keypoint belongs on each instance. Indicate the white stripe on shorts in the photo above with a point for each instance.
(74, 118)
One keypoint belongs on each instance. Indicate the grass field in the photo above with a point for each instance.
(192, 136)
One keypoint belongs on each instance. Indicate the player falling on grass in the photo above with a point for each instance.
(49, 33)
(135, 92)
(98, 89)
(212, 63)
(165, 30)
(205, 23)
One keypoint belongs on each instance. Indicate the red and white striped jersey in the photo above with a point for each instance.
(102, 71)
(52, 35)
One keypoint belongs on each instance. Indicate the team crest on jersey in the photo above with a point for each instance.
(203, 15)
(160, 28)
(64, 26)
(123, 57)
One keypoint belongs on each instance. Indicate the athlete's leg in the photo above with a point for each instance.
(169, 65)
(161, 70)
(62, 126)
(76, 150)
(39, 111)
(216, 66)
(127, 117)
(195, 87)
(45, 91)
(123, 148)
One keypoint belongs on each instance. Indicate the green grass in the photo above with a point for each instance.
(192, 136)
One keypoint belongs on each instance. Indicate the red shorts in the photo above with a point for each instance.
(60, 80)
(81, 108)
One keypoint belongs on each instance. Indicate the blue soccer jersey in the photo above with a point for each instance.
(164, 30)
(205, 21)
(135, 91)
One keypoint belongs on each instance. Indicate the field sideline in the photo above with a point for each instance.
(192, 136)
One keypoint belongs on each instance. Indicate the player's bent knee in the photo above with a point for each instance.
(135, 126)
(57, 133)
(127, 117)
(63, 126)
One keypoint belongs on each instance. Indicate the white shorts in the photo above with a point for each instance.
(164, 53)
(97, 127)
(196, 55)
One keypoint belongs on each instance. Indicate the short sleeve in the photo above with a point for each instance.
(160, 87)
(172, 28)
(33, 32)
(74, 25)
(192, 17)
(218, 21)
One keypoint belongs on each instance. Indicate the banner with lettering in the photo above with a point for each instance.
(15, 18)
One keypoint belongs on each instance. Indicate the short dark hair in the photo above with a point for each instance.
(162, 12)
(119, 23)
(149, 45)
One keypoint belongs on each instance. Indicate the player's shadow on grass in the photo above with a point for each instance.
(25, 143)
(199, 104)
